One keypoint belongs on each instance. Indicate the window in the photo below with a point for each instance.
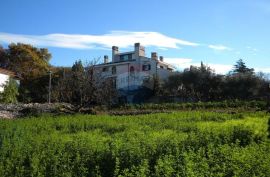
(113, 70)
(131, 69)
(146, 67)
(105, 69)
(125, 57)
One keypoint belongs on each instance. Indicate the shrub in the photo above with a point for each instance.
(10, 93)
(31, 111)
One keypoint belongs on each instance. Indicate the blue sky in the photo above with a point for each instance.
(183, 31)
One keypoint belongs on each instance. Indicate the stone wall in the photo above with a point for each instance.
(10, 111)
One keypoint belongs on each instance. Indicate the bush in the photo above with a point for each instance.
(10, 93)
(31, 111)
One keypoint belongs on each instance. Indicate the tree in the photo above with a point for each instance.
(3, 57)
(83, 85)
(31, 64)
(78, 79)
(61, 88)
(98, 89)
(195, 83)
(242, 83)
(240, 67)
(241, 86)
(10, 93)
(157, 86)
(27, 61)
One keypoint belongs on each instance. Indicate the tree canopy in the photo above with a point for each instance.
(26, 60)
(240, 67)
(203, 84)
(31, 64)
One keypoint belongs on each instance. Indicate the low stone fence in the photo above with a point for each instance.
(10, 111)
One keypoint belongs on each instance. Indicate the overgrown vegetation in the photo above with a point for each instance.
(194, 143)
(203, 84)
(78, 85)
(10, 93)
(31, 64)
(83, 85)
(233, 105)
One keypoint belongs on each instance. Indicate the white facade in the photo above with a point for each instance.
(5, 75)
(133, 70)
(3, 80)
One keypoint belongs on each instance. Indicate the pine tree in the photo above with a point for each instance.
(240, 67)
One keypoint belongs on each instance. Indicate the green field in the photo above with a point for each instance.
(191, 143)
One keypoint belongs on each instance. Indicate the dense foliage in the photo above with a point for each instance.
(234, 105)
(77, 84)
(10, 93)
(31, 65)
(203, 84)
(82, 85)
(166, 144)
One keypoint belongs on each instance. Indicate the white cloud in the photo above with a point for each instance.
(265, 70)
(252, 49)
(219, 47)
(182, 63)
(162, 48)
(179, 63)
(118, 38)
(221, 68)
(238, 52)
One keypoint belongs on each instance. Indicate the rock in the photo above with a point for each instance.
(10, 111)
(88, 110)
(8, 114)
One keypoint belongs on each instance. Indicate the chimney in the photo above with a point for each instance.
(137, 46)
(161, 58)
(106, 59)
(115, 51)
(154, 56)
(139, 50)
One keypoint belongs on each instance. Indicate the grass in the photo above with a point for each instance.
(188, 143)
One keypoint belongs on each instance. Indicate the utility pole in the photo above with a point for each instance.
(50, 85)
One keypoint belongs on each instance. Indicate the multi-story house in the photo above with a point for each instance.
(133, 72)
